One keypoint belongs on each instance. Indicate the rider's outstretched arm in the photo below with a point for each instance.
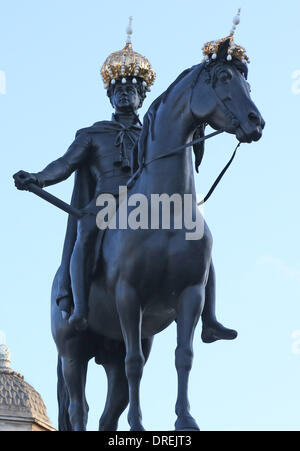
(64, 166)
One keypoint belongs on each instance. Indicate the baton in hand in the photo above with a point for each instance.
(75, 212)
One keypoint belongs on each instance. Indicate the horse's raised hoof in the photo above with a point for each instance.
(216, 332)
(79, 322)
(186, 423)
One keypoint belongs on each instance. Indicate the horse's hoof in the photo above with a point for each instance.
(108, 428)
(186, 423)
(137, 428)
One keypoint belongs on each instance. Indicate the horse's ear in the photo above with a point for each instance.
(223, 50)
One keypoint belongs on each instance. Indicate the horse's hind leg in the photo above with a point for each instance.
(188, 313)
(117, 392)
(130, 314)
(74, 372)
(117, 396)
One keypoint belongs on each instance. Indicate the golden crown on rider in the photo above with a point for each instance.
(127, 63)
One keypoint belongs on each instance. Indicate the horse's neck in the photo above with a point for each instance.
(170, 175)
(173, 127)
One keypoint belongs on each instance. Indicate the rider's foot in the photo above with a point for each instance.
(79, 321)
(65, 315)
(65, 306)
(216, 331)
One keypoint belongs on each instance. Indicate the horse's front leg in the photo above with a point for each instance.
(189, 310)
(130, 314)
(117, 393)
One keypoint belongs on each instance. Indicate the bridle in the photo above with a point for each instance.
(173, 152)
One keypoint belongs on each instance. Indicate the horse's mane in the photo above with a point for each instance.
(149, 118)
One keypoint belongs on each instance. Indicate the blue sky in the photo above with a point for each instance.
(51, 53)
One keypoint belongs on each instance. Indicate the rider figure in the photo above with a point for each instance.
(104, 156)
(107, 148)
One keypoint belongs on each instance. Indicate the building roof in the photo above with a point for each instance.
(18, 399)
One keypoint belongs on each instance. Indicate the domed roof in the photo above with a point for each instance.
(18, 399)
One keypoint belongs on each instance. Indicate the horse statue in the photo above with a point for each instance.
(149, 278)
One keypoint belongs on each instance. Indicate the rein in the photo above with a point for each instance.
(170, 153)
(173, 152)
(177, 149)
(78, 214)
(220, 176)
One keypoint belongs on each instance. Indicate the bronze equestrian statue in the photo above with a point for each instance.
(115, 290)
(104, 157)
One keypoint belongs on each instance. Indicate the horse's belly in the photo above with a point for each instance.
(155, 320)
(104, 320)
(159, 268)
(109, 325)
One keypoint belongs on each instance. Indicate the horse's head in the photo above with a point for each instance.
(225, 102)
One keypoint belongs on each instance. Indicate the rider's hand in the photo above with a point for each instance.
(23, 179)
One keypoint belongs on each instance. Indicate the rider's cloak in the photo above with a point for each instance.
(83, 193)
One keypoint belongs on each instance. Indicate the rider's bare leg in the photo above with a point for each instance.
(65, 298)
(80, 269)
(212, 330)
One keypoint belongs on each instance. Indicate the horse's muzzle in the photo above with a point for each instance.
(249, 136)
(253, 128)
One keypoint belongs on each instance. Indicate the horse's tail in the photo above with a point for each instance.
(63, 400)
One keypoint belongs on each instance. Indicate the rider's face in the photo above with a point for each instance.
(125, 97)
